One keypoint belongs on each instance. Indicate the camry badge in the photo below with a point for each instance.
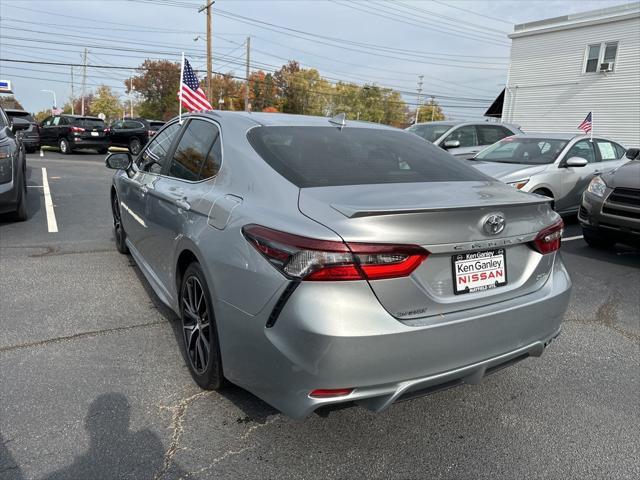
(494, 224)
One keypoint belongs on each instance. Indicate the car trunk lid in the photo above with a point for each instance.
(447, 219)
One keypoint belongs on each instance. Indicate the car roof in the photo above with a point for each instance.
(67, 115)
(551, 136)
(289, 120)
(459, 123)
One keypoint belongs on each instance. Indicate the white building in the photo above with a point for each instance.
(565, 67)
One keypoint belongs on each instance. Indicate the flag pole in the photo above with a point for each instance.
(591, 131)
(180, 90)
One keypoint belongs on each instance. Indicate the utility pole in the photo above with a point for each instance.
(420, 77)
(433, 107)
(73, 98)
(84, 80)
(246, 87)
(130, 97)
(208, 8)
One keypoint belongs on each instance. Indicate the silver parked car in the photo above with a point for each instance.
(559, 166)
(314, 262)
(463, 139)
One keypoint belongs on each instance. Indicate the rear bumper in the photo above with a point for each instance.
(77, 142)
(330, 336)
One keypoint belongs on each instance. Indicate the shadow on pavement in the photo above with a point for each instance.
(9, 469)
(114, 450)
(618, 255)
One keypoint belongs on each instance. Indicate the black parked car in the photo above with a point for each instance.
(610, 210)
(31, 136)
(72, 132)
(133, 133)
(13, 167)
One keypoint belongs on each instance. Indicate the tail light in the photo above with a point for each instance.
(77, 129)
(329, 393)
(327, 260)
(549, 239)
(107, 130)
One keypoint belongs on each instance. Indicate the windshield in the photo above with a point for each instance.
(429, 132)
(530, 151)
(90, 123)
(327, 156)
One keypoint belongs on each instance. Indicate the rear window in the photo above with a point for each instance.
(328, 156)
(25, 115)
(89, 122)
(156, 125)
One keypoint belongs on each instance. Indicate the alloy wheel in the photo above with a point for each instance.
(196, 325)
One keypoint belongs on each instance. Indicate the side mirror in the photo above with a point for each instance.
(576, 162)
(633, 153)
(451, 144)
(118, 161)
(18, 124)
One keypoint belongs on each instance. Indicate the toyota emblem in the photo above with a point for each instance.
(494, 224)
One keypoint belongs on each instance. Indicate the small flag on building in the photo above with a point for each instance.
(585, 126)
(191, 96)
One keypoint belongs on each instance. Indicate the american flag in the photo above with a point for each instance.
(193, 97)
(585, 126)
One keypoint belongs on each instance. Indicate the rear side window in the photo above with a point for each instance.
(24, 115)
(194, 158)
(132, 125)
(328, 156)
(490, 134)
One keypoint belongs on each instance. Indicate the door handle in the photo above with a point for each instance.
(182, 204)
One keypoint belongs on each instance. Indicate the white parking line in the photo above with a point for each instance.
(52, 225)
(568, 239)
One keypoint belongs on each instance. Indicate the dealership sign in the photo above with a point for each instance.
(5, 86)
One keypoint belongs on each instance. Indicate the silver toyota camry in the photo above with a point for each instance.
(314, 261)
(558, 166)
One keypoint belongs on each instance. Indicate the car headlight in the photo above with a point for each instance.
(6, 164)
(597, 187)
(519, 184)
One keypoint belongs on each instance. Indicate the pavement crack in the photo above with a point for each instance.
(76, 336)
(178, 412)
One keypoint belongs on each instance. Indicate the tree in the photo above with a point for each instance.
(77, 105)
(157, 85)
(104, 101)
(10, 101)
(228, 89)
(430, 112)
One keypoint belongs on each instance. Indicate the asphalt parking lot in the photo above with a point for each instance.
(93, 384)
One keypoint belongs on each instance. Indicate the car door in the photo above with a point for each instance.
(490, 134)
(134, 188)
(574, 180)
(176, 204)
(48, 132)
(467, 136)
(116, 133)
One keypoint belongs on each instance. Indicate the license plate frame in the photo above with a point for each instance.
(469, 259)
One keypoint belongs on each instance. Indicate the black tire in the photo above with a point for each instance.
(135, 145)
(546, 193)
(22, 211)
(102, 151)
(596, 241)
(118, 228)
(199, 332)
(64, 146)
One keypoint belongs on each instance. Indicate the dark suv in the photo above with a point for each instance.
(30, 136)
(133, 133)
(72, 132)
(13, 168)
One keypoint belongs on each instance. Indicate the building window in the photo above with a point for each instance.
(600, 53)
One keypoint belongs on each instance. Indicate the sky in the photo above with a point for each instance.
(461, 47)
